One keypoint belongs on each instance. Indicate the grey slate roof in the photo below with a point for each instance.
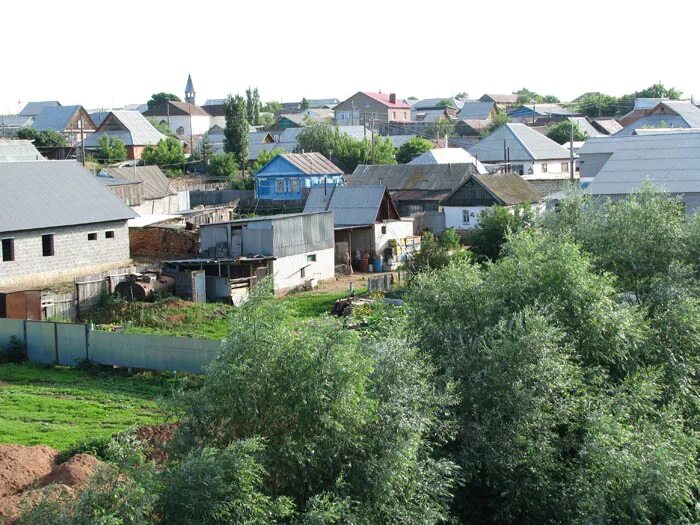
(427, 115)
(155, 184)
(448, 156)
(609, 125)
(427, 177)
(509, 98)
(32, 109)
(55, 118)
(507, 188)
(438, 103)
(525, 144)
(312, 163)
(48, 194)
(475, 110)
(671, 160)
(351, 205)
(669, 114)
(130, 126)
(586, 127)
(13, 150)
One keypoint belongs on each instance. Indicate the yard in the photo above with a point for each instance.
(61, 407)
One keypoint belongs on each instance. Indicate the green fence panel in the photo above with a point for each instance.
(10, 328)
(153, 352)
(71, 340)
(41, 342)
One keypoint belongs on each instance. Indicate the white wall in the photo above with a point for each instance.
(554, 167)
(453, 216)
(164, 206)
(394, 230)
(286, 271)
(74, 254)
(200, 123)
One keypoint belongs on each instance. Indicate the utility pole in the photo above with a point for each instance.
(533, 111)
(571, 152)
(374, 155)
(82, 141)
(599, 97)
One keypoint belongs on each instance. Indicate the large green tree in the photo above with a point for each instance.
(157, 98)
(525, 96)
(253, 106)
(411, 149)
(111, 149)
(47, 138)
(561, 132)
(168, 154)
(236, 129)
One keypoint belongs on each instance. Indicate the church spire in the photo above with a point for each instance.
(189, 90)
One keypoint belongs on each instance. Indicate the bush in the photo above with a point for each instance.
(14, 353)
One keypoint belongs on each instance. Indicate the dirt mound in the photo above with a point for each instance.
(155, 438)
(27, 474)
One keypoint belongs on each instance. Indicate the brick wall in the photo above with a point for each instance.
(163, 242)
(74, 253)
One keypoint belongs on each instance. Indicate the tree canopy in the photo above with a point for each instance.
(111, 149)
(236, 130)
(47, 138)
(525, 96)
(168, 154)
(561, 132)
(157, 98)
(411, 149)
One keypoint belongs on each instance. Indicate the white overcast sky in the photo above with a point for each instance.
(111, 53)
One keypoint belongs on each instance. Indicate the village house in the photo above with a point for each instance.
(70, 121)
(32, 109)
(157, 195)
(503, 101)
(131, 127)
(479, 192)
(365, 108)
(448, 156)
(58, 222)
(366, 220)
(475, 116)
(294, 250)
(666, 114)
(533, 112)
(183, 119)
(290, 175)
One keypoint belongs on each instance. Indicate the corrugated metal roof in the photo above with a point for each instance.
(610, 126)
(129, 126)
(476, 110)
(586, 127)
(509, 98)
(55, 118)
(448, 156)
(427, 115)
(15, 121)
(351, 206)
(155, 184)
(399, 140)
(542, 110)
(670, 160)
(424, 177)
(312, 163)
(438, 103)
(13, 150)
(384, 98)
(525, 144)
(653, 121)
(647, 103)
(46, 194)
(34, 108)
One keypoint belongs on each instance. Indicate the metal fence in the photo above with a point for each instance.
(70, 344)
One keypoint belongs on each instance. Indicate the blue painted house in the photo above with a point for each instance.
(287, 176)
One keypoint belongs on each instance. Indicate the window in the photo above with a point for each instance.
(311, 257)
(47, 245)
(92, 236)
(565, 167)
(393, 115)
(180, 131)
(465, 216)
(109, 234)
(8, 250)
(279, 185)
(544, 167)
(294, 185)
(383, 230)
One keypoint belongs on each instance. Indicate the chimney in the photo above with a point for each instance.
(392, 98)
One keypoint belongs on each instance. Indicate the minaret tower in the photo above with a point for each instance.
(189, 90)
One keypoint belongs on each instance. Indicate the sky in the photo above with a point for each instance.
(109, 54)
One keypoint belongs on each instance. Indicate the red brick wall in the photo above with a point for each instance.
(163, 242)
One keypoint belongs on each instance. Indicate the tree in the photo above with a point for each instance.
(525, 96)
(462, 95)
(253, 106)
(441, 128)
(658, 90)
(111, 149)
(236, 130)
(561, 132)
(265, 156)
(436, 251)
(599, 104)
(500, 119)
(223, 165)
(304, 104)
(157, 98)
(161, 126)
(168, 154)
(272, 106)
(495, 224)
(319, 137)
(47, 138)
(412, 148)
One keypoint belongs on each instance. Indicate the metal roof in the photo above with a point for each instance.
(13, 150)
(424, 177)
(438, 103)
(399, 140)
(155, 184)
(647, 103)
(542, 110)
(669, 160)
(525, 144)
(351, 205)
(609, 125)
(173, 108)
(15, 121)
(448, 156)
(653, 121)
(668, 114)
(312, 163)
(476, 110)
(385, 99)
(56, 118)
(428, 115)
(47, 194)
(34, 108)
(586, 127)
(510, 98)
(129, 126)
(507, 188)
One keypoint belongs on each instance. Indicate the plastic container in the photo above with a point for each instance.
(363, 265)
(378, 264)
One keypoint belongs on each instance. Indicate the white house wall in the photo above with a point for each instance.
(74, 255)
(287, 271)
(395, 230)
(453, 216)
(200, 123)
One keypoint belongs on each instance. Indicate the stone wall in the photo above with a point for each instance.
(163, 243)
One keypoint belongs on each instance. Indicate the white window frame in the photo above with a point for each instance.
(544, 167)
(465, 214)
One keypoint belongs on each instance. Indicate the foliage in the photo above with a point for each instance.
(47, 138)
(359, 446)
(412, 148)
(168, 154)
(223, 165)
(253, 106)
(272, 106)
(319, 137)
(444, 127)
(304, 104)
(500, 119)
(236, 130)
(161, 126)
(435, 252)
(495, 224)
(561, 132)
(600, 104)
(157, 98)
(14, 352)
(111, 149)
(525, 96)
(265, 156)
(462, 95)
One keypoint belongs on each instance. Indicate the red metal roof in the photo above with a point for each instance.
(383, 98)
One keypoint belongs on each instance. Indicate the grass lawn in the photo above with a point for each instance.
(61, 407)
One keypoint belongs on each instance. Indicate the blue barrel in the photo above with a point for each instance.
(378, 264)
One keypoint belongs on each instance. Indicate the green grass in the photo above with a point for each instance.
(61, 407)
(313, 304)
